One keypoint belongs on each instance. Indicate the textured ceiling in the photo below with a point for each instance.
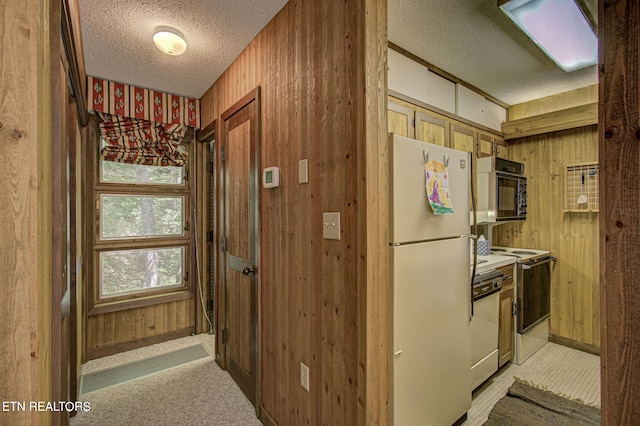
(117, 40)
(470, 39)
(476, 42)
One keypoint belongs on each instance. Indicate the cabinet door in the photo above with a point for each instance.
(400, 120)
(462, 138)
(485, 145)
(432, 129)
(489, 145)
(506, 339)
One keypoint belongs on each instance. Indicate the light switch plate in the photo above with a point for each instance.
(331, 226)
(303, 171)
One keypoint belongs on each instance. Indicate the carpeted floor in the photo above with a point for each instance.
(121, 374)
(197, 392)
(562, 370)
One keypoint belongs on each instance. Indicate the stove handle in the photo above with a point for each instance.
(549, 259)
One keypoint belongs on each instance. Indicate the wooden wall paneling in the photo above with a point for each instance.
(25, 133)
(571, 237)
(619, 25)
(570, 118)
(373, 218)
(113, 332)
(557, 102)
(312, 108)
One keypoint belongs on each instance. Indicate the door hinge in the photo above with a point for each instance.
(186, 176)
(186, 226)
(209, 236)
(224, 335)
(223, 244)
(222, 156)
(186, 276)
(514, 308)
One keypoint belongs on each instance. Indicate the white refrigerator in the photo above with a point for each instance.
(430, 287)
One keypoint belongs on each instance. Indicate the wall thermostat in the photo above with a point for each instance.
(271, 177)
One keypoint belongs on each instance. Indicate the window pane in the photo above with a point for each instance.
(126, 216)
(129, 271)
(112, 172)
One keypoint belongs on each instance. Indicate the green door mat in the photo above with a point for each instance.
(135, 370)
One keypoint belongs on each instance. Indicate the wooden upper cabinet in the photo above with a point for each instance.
(416, 122)
(489, 145)
(463, 138)
(400, 119)
(485, 145)
(432, 129)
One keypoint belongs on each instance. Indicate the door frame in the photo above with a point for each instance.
(220, 298)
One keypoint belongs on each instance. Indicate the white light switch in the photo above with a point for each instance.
(303, 171)
(331, 226)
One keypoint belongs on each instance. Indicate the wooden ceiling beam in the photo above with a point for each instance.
(570, 118)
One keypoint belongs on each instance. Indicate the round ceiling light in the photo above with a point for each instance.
(170, 41)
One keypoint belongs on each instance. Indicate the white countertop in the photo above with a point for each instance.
(493, 261)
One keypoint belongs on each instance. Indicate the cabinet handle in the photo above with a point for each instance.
(508, 277)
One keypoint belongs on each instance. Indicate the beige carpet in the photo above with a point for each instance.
(557, 368)
(195, 393)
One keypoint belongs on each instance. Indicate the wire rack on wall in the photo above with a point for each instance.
(581, 183)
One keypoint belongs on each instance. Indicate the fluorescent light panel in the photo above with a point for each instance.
(559, 28)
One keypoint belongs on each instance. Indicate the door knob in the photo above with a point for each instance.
(248, 271)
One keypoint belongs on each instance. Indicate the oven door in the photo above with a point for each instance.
(534, 292)
(510, 196)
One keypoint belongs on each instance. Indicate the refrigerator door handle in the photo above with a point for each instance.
(471, 314)
(471, 237)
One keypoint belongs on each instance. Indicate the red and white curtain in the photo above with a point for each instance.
(134, 141)
(142, 126)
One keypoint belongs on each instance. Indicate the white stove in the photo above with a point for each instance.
(533, 291)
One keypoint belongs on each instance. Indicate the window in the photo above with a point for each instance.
(142, 239)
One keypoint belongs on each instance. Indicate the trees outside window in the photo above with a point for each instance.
(142, 242)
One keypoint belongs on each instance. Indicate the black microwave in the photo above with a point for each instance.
(501, 190)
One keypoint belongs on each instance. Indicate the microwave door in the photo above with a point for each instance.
(508, 189)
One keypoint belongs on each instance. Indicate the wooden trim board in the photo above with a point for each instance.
(569, 118)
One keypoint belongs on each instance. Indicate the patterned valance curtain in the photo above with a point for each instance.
(137, 141)
(141, 126)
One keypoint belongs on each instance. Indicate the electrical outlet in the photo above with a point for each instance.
(304, 376)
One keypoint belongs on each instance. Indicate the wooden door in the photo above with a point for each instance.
(240, 157)
(432, 129)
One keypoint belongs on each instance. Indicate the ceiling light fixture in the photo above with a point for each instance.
(558, 27)
(169, 41)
